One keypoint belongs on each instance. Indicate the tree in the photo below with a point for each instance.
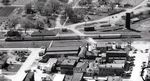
(75, 15)
(39, 25)
(12, 33)
(13, 22)
(39, 6)
(118, 2)
(26, 24)
(6, 2)
(29, 9)
(52, 6)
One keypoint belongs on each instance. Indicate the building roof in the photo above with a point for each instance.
(73, 58)
(62, 53)
(82, 65)
(68, 62)
(67, 43)
(68, 78)
(118, 52)
(116, 78)
(29, 76)
(77, 76)
(119, 61)
(111, 66)
(59, 77)
(82, 52)
(51, 60)
(101, 44)
(56, 49)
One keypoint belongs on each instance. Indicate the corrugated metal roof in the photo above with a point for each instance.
(62, 53)
(56, 49)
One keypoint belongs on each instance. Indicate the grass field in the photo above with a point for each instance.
(132, 2)
(6, 11)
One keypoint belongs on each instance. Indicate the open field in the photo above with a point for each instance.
(6, 11)
(132, 2)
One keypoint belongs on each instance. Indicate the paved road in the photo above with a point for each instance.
(139, 59)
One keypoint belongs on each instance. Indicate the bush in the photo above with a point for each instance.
(13, 33)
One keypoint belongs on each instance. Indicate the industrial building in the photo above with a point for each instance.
(67, 66)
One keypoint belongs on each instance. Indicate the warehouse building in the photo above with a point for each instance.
(67, 66)
(111, 69)
(116, 55)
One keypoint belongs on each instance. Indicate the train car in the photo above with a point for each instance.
(69, 37)
(130, 36)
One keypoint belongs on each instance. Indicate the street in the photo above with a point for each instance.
(139, 59)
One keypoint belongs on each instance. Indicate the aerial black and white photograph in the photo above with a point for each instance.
(74, 40)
